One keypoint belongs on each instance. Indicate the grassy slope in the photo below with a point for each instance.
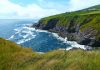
(85, 18)
(96, 7)
(14, 57)
(66, 17)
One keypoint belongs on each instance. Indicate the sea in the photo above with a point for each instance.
(19, 31)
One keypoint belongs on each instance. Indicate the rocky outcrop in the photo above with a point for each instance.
(84, 29)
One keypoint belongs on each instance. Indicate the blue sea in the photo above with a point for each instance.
(39, 40)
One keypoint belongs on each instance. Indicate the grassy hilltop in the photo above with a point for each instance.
(86, 18)
(14, 57)
(81, 26)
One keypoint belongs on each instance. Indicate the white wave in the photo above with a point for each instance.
(72, 43)
(37, 30)
(28, 34)
(17, 30)
(11, 37)
(64, 40)
(58, 37)
(21, 41)
(29, 28)
(25, 36)
(25, 40)
(76, 45)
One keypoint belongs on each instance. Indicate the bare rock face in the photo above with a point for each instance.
(87, 37)
(81, 26)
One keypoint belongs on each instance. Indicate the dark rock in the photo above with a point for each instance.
(73, 31)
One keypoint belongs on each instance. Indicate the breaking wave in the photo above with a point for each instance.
(24, 34)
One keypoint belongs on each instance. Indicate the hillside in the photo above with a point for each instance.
(97, 7)
(81, 26)
(14, 57)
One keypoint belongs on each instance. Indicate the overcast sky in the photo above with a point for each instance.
(34, 9)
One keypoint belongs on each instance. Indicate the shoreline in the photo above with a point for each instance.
(73, 44)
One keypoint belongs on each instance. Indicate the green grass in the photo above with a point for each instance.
(79, 17)
(14, 57)
(87, 20)
(96, 7)
(65, 18)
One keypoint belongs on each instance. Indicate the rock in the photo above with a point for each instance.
(84, 29)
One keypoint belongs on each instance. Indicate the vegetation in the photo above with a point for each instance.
(86, 19)
(97, 7)
(66, 18)
(14, 57)
(80, 16)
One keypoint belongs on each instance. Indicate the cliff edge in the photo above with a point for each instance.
(81, 26)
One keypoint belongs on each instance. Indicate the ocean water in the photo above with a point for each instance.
(20, 32)
(39, 40)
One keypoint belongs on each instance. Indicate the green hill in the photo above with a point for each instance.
(81, 26)
(14, 57)
(97, 7)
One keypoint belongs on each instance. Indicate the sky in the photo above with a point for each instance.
(36, 9)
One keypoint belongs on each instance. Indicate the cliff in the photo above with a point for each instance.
(82, 26)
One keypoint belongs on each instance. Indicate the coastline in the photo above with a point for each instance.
(64, 39)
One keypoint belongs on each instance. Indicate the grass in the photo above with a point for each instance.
(65, 18)
(86, 20)
(14, 57)
(79, 17)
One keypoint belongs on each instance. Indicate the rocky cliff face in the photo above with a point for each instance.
(83, 27)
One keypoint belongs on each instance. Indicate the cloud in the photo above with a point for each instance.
(11, 10)
(81, 4)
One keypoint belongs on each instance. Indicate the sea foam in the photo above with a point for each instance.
(30, 33)
(73, 44)
(64, 40)
(23, 34)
